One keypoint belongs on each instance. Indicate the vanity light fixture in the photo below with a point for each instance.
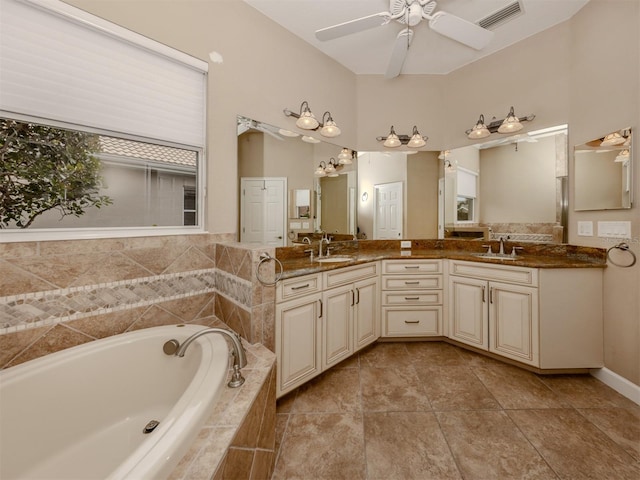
(306, 120)
(394, 140)
(612, 139)
(623, 156)
(345, 157)
(510, 124)
(327, 169)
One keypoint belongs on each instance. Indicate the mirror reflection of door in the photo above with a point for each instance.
(263, 211)
(388, 212)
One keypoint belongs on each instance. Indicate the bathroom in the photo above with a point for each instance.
(564, 75)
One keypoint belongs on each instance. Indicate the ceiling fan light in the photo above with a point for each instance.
(612, 139)
(479, 130)
(510, 124)
(392, 140)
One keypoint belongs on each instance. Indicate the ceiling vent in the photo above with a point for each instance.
(503, 15)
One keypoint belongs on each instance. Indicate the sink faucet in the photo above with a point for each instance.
(173, 347)
(502, 242)
(322, 240)
(306, 240)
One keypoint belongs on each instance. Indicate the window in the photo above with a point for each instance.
(189, 208)
(466, 188)
(132, 109)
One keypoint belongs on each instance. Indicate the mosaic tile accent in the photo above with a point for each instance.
(52, 306)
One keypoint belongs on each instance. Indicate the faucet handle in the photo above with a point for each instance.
(514, 251)
(310, 252)
(488, 247)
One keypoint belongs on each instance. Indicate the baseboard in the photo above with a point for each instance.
(618, 383)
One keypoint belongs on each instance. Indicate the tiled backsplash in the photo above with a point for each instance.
(57, 294)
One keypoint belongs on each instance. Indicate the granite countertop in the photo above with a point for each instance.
(296, 263)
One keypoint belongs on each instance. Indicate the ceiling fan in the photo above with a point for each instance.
(411, 13)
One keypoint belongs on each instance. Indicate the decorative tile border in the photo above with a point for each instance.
(30, 310)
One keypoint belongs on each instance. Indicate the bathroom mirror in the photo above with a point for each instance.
(266, 151)
(513, 186)
(602, 172)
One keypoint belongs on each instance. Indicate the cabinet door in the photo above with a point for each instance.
(298, 342)
(336, 339)
(468, 312)
(366, 318)
(513, 322)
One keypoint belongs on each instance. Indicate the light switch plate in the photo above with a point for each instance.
(585, 229)
(405, 243)
(614, 229)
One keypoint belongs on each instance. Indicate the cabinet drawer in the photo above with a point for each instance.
(345, 275)
(406, 282)
(411, 266)
(412, 298)
(298, 286)
(502, 273)
(412, 321)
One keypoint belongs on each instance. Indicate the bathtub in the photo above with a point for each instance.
(80, 413)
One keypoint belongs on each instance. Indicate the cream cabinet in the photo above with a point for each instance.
(351, 318)
(298, 328)
(412, 295)
(547, 318)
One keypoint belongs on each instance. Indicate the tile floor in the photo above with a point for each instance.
(430, 410)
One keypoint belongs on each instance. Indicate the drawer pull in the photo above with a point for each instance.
(300, 287)
(412, 298)
(417, 282)
(410, 267)
(412, 321)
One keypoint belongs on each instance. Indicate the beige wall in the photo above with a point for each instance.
(563, 75)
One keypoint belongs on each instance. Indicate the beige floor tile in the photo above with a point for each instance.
(516, 388)
(385, 355)
(487, 445)
(336, 390)
(434, 353)
(405, 446)
(574, 447)
(622, 425)
(585, 391)
(392, 390)
(455, 388)
(323, 447)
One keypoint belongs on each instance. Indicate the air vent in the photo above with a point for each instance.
(501, 16)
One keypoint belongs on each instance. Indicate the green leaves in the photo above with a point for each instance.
(46, 168)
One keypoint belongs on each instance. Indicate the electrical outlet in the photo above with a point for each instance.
(405, 243)
(585, 229)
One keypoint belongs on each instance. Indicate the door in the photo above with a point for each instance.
(263, 211)
(366, 316)
(298, 341)
(388, 211)
(513, 326)
(468, 312)
(338, 305)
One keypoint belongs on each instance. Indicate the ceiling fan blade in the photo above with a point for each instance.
(353, 26)
(460, 30)
(400, 49)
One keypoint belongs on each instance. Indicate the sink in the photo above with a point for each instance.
(334, 259)
(496, 256)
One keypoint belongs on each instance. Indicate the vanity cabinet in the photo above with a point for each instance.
(298, 329)
(412, 295)
(351, 311)
(547, 318)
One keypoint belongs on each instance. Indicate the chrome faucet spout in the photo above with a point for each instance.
(306, 240)
(239, 354)
(322, 240)
(502, 242)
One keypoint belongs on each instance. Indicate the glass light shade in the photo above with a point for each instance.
(345, 161)
(330, 129)
(392, 140)
(416, 141)
(623, 156)
(510, 124)
(479, 130)
(330, 169)
(320, 172)
(308, 139)
(443, 154)
(307, 121)
(612, 139)
(345, 154)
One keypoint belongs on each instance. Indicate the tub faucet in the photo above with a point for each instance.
(173, 347)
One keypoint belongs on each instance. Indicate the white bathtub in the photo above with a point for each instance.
(80, 413)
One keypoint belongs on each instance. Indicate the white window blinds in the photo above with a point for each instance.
(466, 184)
(59, 63)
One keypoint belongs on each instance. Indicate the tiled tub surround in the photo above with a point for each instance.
(54, 295)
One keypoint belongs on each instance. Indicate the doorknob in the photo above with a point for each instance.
(279, 237)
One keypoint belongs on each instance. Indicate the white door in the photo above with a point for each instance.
(388, 212)
(263, 211)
